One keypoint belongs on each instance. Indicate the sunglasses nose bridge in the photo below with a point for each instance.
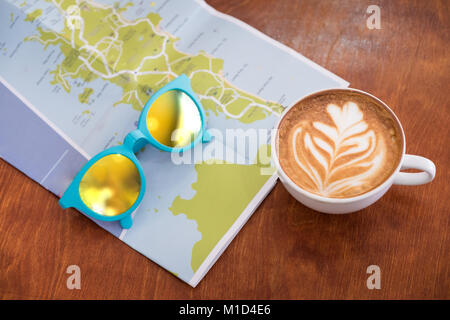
(135, 140)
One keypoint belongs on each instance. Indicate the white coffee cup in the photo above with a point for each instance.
(347, 205)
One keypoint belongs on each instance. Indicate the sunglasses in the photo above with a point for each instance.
(111, 185)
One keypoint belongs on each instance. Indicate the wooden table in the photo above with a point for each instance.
(285, 251)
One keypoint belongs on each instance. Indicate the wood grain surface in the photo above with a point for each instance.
(285, 251)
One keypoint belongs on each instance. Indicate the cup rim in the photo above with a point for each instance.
(287, 179)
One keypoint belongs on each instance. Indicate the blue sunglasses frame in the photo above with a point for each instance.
(133, 142)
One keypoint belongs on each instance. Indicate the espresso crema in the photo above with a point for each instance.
(339, 144)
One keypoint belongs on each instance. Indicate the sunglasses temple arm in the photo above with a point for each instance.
(63, 202)
(126, 222)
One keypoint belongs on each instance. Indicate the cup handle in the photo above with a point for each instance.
(413, 179)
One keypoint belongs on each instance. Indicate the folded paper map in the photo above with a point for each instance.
(75, 74)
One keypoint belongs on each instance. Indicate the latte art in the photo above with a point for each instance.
(320, 150)
(338, 148)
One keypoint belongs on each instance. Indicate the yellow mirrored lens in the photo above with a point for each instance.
(111, 185)
(174, 120)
